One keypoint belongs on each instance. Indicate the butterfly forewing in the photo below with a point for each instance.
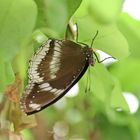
(54, 69)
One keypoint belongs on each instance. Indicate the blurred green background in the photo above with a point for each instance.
(110, 111)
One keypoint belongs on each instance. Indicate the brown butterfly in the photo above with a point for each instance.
(54, 69)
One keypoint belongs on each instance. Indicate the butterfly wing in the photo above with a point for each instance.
(54, 69)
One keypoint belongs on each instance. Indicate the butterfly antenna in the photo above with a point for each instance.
(103, 59)
(94, 38)
(106, 59)
(95, 53)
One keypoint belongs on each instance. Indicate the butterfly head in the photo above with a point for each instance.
(89, 56)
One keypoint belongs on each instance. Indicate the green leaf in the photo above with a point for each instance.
(110, 131)
(109, 39)
(104, 87)
(129, 27)
(39, 37)
(10, 76)
(117, 98)
(22, 60)
(101, 82)
(6, 75)
(54, 15)
(127, 71)
(2, 76)
(16, 24)
(105, 11)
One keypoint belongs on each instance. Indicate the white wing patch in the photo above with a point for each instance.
(36, 60)
(55, 62)
(44, 85)
(48, 87)
(35, 106)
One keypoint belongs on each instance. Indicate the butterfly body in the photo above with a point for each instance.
(54, 69)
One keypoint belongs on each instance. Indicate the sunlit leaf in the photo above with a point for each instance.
(129, 27)
(16, 24)
(101, 82)
(104, 87)
(105, 11)
(54, 15)
(117, 98)
(127, 71)
(2, 76)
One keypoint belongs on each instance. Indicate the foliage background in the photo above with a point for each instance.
(102, 114)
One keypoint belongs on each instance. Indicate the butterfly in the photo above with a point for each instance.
(53, 70)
